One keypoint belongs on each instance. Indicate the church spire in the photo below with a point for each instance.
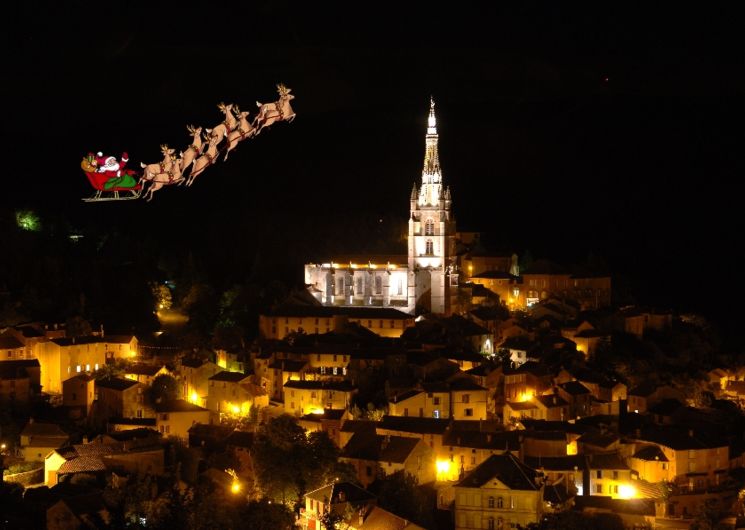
(429, 193)
(431, 173)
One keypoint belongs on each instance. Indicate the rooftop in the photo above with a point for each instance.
(506, 468)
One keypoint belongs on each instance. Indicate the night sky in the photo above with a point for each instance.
(562, 130)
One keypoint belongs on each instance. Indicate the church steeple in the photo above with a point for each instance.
(431, 174)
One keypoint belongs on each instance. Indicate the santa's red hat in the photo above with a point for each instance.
(125, 157)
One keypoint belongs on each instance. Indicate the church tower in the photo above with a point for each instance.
(433, 277)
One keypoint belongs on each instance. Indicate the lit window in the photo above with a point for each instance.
(429, 248)
(429, 227)
(77, 369)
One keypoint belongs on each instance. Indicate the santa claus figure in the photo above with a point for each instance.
(109, 164)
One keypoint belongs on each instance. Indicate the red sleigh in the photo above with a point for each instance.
(98, 180)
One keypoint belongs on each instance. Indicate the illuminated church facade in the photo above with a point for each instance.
(426, 278)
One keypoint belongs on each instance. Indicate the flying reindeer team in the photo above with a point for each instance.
(195, 159)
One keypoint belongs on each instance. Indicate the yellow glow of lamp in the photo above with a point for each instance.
(235, 409)
(194, 398)
(235, 487)
(443, 469)
(626, 491)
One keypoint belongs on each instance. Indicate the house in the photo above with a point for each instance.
(121, 398)
(145, 373)
(386, 322)
(15, 383)
(578, 396)
(610, 476)
(518, 348)
(79, 511)
(175, 418)
(233, 361)
(137, 451)
(234, 393)
(61, 358)
(78, 394)
(501, 492)
(241, 443)
(12, 349)
(38, 439)
(528, 379)
(543, 407)
(696, 459)
(194, 374)
(306, 397)
(380, 455)
(282, 370)
(467, 399)
(461, 399)
(643, 396)
(343, 498)
(330, 422)
(464, 448)
(430, 430)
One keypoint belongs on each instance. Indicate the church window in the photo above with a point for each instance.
(359, 286)
(430, 248)
(429, 228)
(378, 285)
(400, 290)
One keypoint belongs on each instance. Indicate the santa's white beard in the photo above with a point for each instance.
(110, 167)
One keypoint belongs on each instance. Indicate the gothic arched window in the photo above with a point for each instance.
(430, 248)
(378, 285)
(429, 227)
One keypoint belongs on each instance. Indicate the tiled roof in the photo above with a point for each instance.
(229, 377)
(240, 439)
(82, 464)
(340, 492)
(143, 369)
(178, 405)
(116, 383)
(497, 441)
(380, 448)
(557, 463)
(651, 453)
(505, 468)
(9, 342)
(341, 386)
(414, 425)
(36, 428)
(288, 365)
(65, 341)
(575, 388)
(606, 461)
(386, 313)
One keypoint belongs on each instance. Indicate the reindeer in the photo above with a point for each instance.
(194, 150)
(151, 170)
(172, 176)
(244, 130)
(163, 179)
(227, 126)
(280, 110)
(204, 161)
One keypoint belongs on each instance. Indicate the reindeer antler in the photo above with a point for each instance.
(282, 89)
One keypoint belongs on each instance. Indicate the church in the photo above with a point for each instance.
(424, 280)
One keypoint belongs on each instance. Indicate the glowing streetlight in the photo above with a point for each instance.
(626, 491)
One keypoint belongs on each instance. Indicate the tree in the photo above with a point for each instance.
(266, 515)
(289, 463)
(400, 494)
(164, 388)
